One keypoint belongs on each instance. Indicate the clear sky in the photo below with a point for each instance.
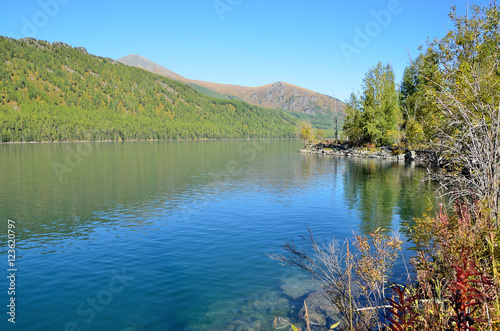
(323, 45)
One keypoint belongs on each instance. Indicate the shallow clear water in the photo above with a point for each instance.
(174, 235)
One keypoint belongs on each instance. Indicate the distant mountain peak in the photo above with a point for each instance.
(135, 60)
(278, 95)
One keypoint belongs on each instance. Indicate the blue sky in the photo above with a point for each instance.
(323, 45)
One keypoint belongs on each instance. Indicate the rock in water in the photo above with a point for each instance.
(298, 286)
(411, 156)
(321, 311)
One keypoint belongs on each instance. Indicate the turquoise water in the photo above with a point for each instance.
(174, 235)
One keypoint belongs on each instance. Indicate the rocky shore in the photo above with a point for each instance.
(386, 152)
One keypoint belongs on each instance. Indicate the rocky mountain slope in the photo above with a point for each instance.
(141, 62)
(278, 95)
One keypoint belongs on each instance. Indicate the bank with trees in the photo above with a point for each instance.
(448, 101)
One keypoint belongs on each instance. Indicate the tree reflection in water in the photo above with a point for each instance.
(378, 190)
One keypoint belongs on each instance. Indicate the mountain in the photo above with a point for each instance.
(141, 62)
(56, 92)
(278, 95)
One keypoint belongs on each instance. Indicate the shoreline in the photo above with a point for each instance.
(423, 157)
(136, 140)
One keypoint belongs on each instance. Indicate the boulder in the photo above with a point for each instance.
(82, 50)
(321, 311)
(411, 156)
(297, 286)
(60, 44)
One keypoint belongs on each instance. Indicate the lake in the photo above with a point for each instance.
(174, 235)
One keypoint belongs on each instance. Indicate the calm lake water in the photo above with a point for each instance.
(174, 235)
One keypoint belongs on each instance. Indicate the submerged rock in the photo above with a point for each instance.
(321, 311)
(298, 286)
(256, 312)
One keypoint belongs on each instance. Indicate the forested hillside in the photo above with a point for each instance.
(54, 92)
(280, 95)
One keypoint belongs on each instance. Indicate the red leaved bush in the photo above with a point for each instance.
(402, 314)
(468, 293)
(456, 284)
